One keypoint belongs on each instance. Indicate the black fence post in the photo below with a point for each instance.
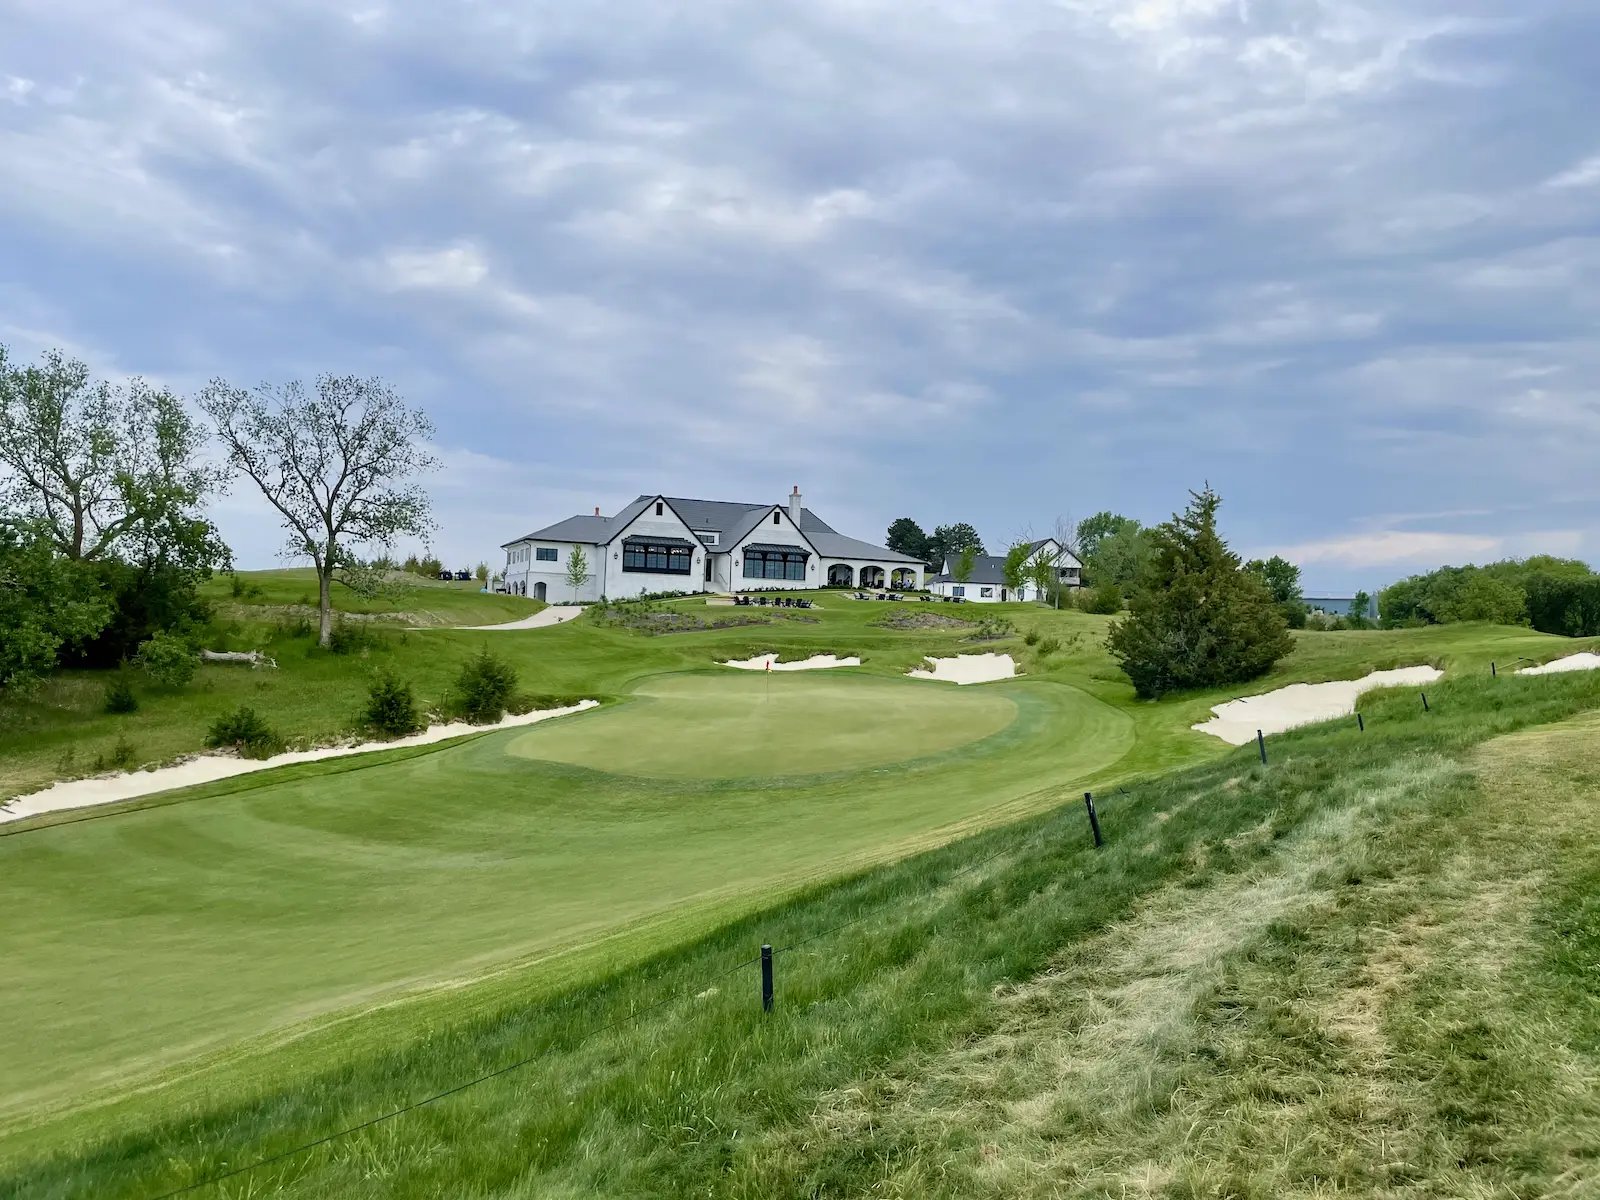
(1425, 707)
(1361, 724)
(1492, 671)
(1094, 819)
(766, 978)
(1261, 746)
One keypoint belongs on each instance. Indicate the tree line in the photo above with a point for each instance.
(1554, 595)
(105, 487)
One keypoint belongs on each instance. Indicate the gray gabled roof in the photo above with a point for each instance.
(573, 529)
(986, 569)
(831, 544)
(730, 520)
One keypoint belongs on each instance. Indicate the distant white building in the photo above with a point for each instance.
(987, 583)
(669, 544)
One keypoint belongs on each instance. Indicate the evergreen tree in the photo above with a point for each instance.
(907, 537)
(1199, 619)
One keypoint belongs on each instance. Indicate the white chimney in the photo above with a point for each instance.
(795, 505)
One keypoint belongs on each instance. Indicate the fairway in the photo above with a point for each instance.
(739, 725)
(281, 899)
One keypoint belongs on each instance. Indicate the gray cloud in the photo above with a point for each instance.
(991, 263)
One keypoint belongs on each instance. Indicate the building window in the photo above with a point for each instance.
(777, 518)
(545, 554)
(658, 510)
(774, 564)
(657, 558)
(985, 593)
(708, 536)
(958, 591)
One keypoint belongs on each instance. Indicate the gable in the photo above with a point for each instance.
(782, 532)
(646, 523)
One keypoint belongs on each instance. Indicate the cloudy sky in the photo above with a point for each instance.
(955, 260)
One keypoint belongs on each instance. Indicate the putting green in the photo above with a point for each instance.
(738, 726)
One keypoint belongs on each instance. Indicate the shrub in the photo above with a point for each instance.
(1048, 646)
(1031, 638)
(1104, 598)
(124, 753)
(351, 637)
(391, 707)
(245, 731)
(484, 688)
(236, 586)
(168, 660)
(119, 694)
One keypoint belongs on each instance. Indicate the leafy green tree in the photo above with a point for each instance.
(948, 541)
(577, 571)
(47, 603)
(1015, 569)
(1497, 591)
(1564, 604)
(1122, 557)
(113, 478)
(481, 572)
(1096, 529)
(1042, 570)
(338, 462)
(1200, 619)
(907, 537)
(1360, 609)
(168, 660)
(1280, 577)
(105, 471)
(966, 562)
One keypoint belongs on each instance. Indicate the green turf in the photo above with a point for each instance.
(179, 944)
(769, 724)
(261, 904)
(410, 599)
(1195, 1010)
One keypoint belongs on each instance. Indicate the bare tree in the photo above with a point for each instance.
(335, 462)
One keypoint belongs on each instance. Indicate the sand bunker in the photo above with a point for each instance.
(1573, 662)
(817, 662)
(970, 668)
(1236, 722)
(81, 793)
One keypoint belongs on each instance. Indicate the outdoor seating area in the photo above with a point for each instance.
(926, 599)
(774, 602)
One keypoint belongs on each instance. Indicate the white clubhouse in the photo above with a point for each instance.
(670, 544)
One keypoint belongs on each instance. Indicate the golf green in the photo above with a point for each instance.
(747, 724)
